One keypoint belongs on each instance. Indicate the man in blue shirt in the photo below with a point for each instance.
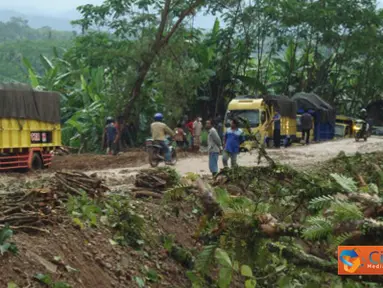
(277, 129)
(233, 139)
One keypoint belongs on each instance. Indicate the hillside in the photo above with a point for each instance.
(61, 23)
(18, 39)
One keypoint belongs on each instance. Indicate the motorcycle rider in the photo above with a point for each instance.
(159, 131)
(363, 116)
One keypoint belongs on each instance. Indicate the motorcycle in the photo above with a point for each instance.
(156, 153)
(362, 130)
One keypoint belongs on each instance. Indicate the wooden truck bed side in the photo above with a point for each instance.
(21, 133)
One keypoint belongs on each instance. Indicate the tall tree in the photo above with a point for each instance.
(114, 14)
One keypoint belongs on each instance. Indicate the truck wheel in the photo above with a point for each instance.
(37, 162)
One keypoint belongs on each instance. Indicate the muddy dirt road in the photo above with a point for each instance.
(297, 156)
(120, 170)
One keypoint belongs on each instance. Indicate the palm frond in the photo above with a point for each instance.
(346, 211)
(205, 259)
(348, 184)
(319, 228)
(321, 202)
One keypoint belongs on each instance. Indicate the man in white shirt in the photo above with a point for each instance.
(197, 129)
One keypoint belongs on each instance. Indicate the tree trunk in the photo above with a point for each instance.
(159, 43)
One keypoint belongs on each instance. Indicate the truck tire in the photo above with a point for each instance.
(37, 162)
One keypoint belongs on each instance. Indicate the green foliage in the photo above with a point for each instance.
(129, 225)
(321, 201)
(174, 177)
(176, 193)
(116, 212)
(339, 240)
(348, 184)
(334, 218)
(205, 259)
(84, 209)
(346, 211)
(12, 285)
(5, 246)
(319, 228)
(19, 40)
(47, 280)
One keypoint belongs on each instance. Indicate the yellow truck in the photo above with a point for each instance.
(30, 127)
(344, 126)
(259, 113)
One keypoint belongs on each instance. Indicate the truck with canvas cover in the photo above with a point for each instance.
(322, 112)
(259, 113)
(29, 127)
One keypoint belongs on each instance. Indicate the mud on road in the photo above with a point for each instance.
(121, 169)
(299, 156)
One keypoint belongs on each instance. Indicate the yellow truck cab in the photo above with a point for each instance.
(342, 130)
(259, 112)
(344, 126)
(29, 127)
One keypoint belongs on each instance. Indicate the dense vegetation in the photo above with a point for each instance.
(158, 60)
(18, 40)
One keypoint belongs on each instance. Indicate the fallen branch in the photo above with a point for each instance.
(27, 228)
(300, 258)
(143, 194)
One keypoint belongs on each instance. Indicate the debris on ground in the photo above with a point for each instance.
(78, 182)
(32, 210)
(157, 179)
(169, 231)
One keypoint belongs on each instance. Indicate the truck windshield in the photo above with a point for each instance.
(251, 115)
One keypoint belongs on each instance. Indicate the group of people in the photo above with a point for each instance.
(187, 128)
(227, 144)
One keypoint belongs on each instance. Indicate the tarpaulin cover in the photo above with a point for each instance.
(22, 102)
(311, 101)
(286, 106)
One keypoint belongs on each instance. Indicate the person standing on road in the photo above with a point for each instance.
(197, 129)
(277, 129)
(233, 139)
(214, 144)
(189, 127)
(307, 125)
(180, 136)
(111, 136)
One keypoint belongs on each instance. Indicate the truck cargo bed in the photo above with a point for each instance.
(16, 134)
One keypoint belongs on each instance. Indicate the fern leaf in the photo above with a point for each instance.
(348, 184)
(339, 240)
(176, 193)
(321, 202)
(205, 259)
(222, 197)
(319, 228)
(346, 211)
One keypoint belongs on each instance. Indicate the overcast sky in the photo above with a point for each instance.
(60, 7)
(54, 5)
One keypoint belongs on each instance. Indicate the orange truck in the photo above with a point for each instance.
(30, 127)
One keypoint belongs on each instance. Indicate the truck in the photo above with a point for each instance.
(30, 127)
(259, 113)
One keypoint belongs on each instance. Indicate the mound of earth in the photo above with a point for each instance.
(88, 258)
